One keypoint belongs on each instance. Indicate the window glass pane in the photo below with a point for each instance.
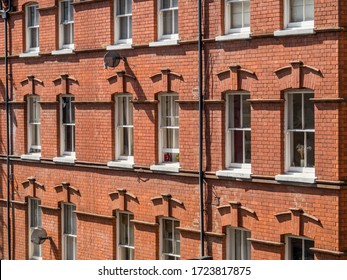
(123, 231)
(167, 23)
(236, 111)
(310, 149)
(238, 241)
(236, 14)
(308, 111)
(175, 31)
(131, 231)
(70, 247)
(123, 28)
(165, 4)
(64, 12)
(246, 14)
(68, 34)
(295, 111)
(130, 24)
(296, 10)
(174, 3)
(71, 13)
(247, 147)
(309, 11)
(35, 138)
(246, 112)
(298, 149)
(296, 248)
(168, 229)
(238, 147)
(68, 107)
(121, 9)
(129, 6)
(308, 253)
(69, 138)
(34, 37)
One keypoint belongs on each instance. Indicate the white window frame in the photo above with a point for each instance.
(117, 25)
(28, 28)
(228, 29)
(162, 36)
(288, 151)
(301, 24)
(231, 240)
(61, 27)
(31, 125)
(288, 242)
(72, 220)
(163, 255)
(129, 113)
(229, 142)
(162, 150)
(120, 246)
(34, 210)
(63, 152)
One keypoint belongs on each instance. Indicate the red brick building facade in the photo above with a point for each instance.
(106, 160)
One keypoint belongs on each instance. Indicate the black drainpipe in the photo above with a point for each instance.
(201, 108)
(5, 16)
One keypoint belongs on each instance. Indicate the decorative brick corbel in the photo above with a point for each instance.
(121, 78)
(31, 181)
(235, 71)
(166, 76)
(296, 71)
(65, 82)
(296, 214)
(121, 195)
(166, 200)
(69, 190)
(31, 79)
(235, 208)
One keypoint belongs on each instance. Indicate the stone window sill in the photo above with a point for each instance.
(65, 159)
(170, 42)
(63, 51)
(121, 164)
(308, 178)
(119, 47)
(237, 173)
(295, 31)
(234, 36)
(30, 54)
(167, 167)
(31, 157)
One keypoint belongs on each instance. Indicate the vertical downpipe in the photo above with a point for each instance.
(201, 107)
(5, 15)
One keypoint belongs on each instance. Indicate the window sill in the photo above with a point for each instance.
(295, 31)
(234, 36)
(30, 54)
(64, 159)
(308, 178)
(170, 42)
(121, 164)
(167, 167)
(236, 173)
(119, 47)
(31, 157)
(63, 51)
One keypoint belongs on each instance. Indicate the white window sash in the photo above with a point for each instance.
(289, 133)
(299, 24)
(68, 235)
(32, 27)
(129, 232)
(228, 28)
(173, 240)
(33, 124)
(229, 130)
(171, 9)
(244, 246)
(63, 126)
(163, 128)
(34, 247)
(67, 22)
